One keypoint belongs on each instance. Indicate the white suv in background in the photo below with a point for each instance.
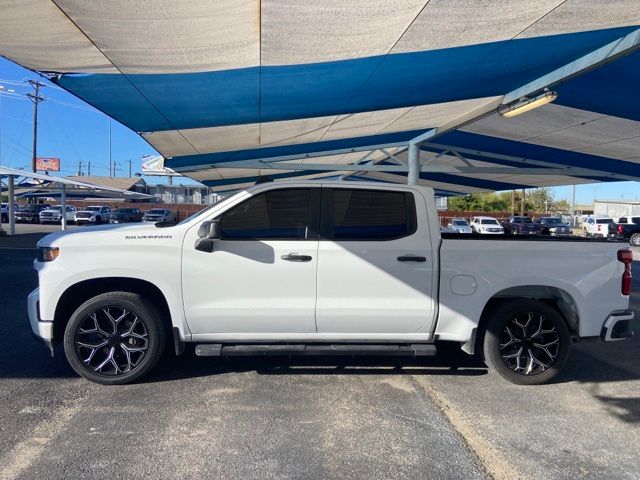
(93, 214)
(53, 214)
(486, 225)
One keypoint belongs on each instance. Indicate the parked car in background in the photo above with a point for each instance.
(4, 211)
(444, 229)
(159, 215)
(460, 225)
(30, 213)
(600, 227)
(553, 226)
(53, 214)
(125, 215)
(629, 228)
(95, 214)
(486, 225)
(520, 225)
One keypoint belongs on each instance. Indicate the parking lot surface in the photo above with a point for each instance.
(442, 417)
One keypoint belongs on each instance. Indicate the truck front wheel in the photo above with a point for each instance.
(635, 239)
(526, 342)
(114, 338)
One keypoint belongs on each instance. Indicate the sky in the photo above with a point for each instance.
(75, 132)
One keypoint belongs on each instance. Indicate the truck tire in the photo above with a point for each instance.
(635, 240)
(114, 338)
(526, 342)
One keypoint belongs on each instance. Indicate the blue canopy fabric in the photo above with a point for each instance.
(227, 89)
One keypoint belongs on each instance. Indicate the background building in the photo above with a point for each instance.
(616, 208)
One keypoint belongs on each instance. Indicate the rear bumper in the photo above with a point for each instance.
(41, 329)
(617, 326)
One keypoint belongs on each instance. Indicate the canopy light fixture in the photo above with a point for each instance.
(525, 104)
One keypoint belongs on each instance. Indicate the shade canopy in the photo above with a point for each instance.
(228, 90)
(77, 186)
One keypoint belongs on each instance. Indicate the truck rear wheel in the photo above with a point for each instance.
(114, 338)
(635, 239)
(526, 342)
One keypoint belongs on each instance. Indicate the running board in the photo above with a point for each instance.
(235, 350)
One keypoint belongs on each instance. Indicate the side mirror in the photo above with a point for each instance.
(207, 233)
(211, 230)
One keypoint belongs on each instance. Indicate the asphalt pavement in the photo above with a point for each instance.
(442, 417)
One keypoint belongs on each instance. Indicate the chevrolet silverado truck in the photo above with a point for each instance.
(308, 268)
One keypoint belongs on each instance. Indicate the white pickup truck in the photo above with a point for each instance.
(323, 268)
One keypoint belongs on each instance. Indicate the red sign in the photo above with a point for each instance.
(48, 164)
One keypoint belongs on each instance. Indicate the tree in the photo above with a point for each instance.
(537, 200)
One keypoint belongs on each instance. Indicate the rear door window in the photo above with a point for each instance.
(359, 214)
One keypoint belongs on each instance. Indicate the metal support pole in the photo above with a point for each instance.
(63, 206)
(573, 205)
(12, 201)
(413, 176)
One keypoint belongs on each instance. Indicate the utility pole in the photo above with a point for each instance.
(88, 169)
(79, 169)
(129, 167)
(522, 203)
(114, 168)
(35, 98)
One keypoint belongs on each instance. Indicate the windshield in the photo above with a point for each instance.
(156, 211)
(460, 223)
(124, 210)
(604, 220)
(522, 220)
(92, 209)
(552, 221)
(489, 221)
(56, 207)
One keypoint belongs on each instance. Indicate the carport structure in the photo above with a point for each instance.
(11, 174)
(399, 90)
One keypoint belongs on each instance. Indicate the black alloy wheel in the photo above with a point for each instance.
(114, 338)
(527, 342)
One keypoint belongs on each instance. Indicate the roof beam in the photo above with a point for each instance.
(572, 171)
(466, 170)
(603, 55)
(266, 162)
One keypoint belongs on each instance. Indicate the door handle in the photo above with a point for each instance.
(411, 258)
(294, 257)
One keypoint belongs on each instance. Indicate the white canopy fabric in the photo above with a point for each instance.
(228, 90)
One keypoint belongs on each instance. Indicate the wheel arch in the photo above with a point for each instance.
(78, 293)
(558, 298)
